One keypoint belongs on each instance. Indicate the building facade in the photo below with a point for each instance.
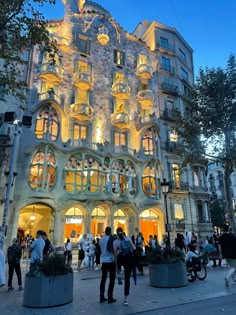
(102, 138)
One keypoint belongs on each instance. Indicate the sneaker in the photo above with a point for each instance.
(120, 281)
(226, 282)
(111, 301)
(125, 303)
(10, 288)
(102, 300)
(21, 288)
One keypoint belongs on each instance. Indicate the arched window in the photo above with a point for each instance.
(98, 213)
(118, 186)
(47, 124)
(149, 215)
(149, 180)
(149, 142)
(73, 174)
(43, 171)
(93, 174)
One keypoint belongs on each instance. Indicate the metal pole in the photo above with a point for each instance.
(167, 220)
(9, 183)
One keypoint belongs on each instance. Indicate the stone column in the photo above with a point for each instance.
(58, 235)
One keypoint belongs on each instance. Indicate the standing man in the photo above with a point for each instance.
(14, 253)
(37, 247)
(108, 265)
(227, 250)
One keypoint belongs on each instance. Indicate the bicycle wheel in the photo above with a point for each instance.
(201, 275)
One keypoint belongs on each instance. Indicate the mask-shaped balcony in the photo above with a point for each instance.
(144, 71)
(82, 80)
(121, 90)
(120, 120)
(50, 72)
(50, 95)
(145, 98)
(146, 120)
(81, 111)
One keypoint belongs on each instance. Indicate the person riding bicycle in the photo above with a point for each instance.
(190, 254)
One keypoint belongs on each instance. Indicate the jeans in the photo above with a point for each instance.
(128, 265)
(91, 261)
(17, 269)
(111, 268)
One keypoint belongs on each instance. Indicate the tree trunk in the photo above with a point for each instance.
(228, 195)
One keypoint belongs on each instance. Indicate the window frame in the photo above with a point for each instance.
(116, 58)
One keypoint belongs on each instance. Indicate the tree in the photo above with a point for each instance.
(217, 212)
(22, 26)
(208, 125)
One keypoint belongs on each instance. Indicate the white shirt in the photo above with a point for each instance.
(83, 244)
(69, 247)
(190, 255)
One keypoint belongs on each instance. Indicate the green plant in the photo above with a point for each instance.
(54, 265)
(165, 256)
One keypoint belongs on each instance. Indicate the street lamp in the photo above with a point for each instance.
(10, 118)
(165, 190)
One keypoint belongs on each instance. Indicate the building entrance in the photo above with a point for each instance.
(74, 226)
(150, 224)
(98, 222)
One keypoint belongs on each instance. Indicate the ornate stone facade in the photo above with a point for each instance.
(101, 140)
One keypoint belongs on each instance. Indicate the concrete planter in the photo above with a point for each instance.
(48, 291)
(168, 275)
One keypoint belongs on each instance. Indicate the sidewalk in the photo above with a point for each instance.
(142, 298)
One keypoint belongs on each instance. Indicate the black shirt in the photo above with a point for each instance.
(227, 242)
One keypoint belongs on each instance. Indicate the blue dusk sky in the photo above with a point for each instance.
(209, 26)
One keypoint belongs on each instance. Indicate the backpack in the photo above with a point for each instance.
(110, 244)
(12, 255)
(125, 247)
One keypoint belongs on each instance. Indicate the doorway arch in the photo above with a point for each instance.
(74, 223)
(151, 223)
(98, 221)
(35, 217)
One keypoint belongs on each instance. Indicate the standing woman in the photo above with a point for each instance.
(68, 251)
(124, 256)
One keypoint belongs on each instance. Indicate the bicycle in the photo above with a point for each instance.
(197, 269)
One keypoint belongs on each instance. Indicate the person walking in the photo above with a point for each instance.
(68, 252)
(14, 253)
(82, 248)
(91, 254)
(227, 250)
(124, 255)
(108, 266)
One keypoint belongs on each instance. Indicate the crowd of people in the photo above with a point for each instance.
(114, 253)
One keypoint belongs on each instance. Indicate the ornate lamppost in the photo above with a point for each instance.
(165, 190)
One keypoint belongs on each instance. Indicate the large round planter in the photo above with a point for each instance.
(168, 275)
(48, 291)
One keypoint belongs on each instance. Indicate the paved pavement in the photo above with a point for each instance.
(143, 298)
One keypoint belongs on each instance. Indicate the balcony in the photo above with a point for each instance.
(50, 72)
(144, 71)
(170, 114)
(180, 226)
(82, 80)
(174, 146)
(199, 189)
(49, 95)
(167, 68)
(145, 98)
(166, 48)
(120, 120)
(169, 88)
(121, 90)
(143, 121)
(179, 186)
(81, 111)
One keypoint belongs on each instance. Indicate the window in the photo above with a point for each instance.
(165, 63)
(178, 211)
(196, 178)
(119, 57)
(149, 140)
(173, 136)
(184, 74)
(81, 96)
(120, 138)
(149, 180)
(119, 77)
(47, 124)
(43, 171)
(186, 90)
(176, 175)
(79, 132)
(82, 42)
(164, 42)
(182, 54)
(82, 67)
(142, 59)
(169, 108)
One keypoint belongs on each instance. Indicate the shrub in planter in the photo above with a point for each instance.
(167, 268)
(49, 283)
